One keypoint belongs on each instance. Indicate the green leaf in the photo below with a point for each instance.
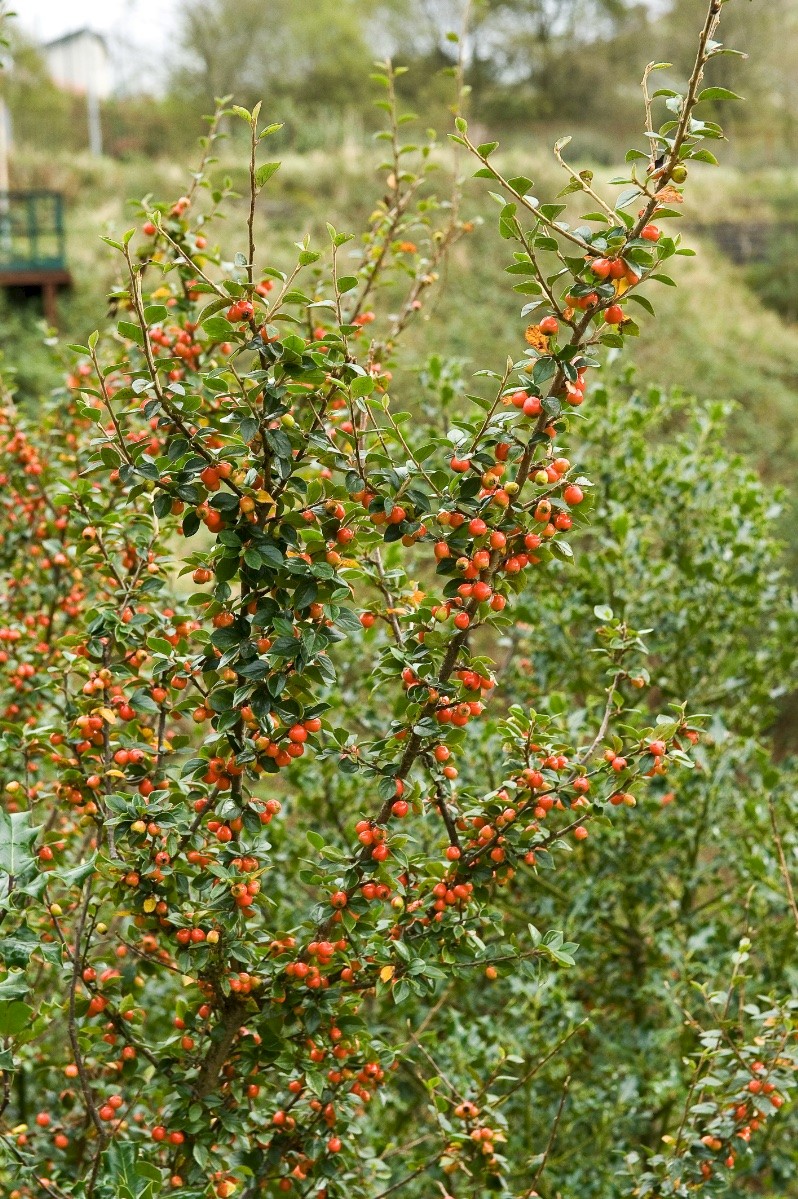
(338, 239)
(16, 835)
(627, 196)
(17, 949)
(76, 874)
(148, 1171)
(363, 385)
(717, 93)
(704, 155)
(507, 222)
(218, 328)
(520, 184)
(264, 172)
(14, 1017)
(562, 549)
(131, 332)
(643, 302)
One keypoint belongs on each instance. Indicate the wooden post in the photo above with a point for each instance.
(50, 303)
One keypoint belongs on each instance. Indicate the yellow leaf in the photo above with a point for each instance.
(149, 904)
(107, 714)
(263, 497)
(534, 337)
(386, 974)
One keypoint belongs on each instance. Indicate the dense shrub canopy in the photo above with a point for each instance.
(388, 805)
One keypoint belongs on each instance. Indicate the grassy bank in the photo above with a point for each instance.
(714, 337)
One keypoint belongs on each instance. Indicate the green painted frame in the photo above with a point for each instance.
(32, 231)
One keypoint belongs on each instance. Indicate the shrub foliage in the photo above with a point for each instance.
(314, 757)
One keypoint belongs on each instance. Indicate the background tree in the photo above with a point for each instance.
(317, 55)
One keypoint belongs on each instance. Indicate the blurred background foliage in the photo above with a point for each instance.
(526, 61)
(536, 69)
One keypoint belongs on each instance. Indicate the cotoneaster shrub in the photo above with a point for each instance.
(270, 810)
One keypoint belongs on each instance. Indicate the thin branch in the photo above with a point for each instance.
(77, 962)
(539, 1065)
(783, 866)
(431, 1161)
(552, 1135)
(609, 707)
(253, 193)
